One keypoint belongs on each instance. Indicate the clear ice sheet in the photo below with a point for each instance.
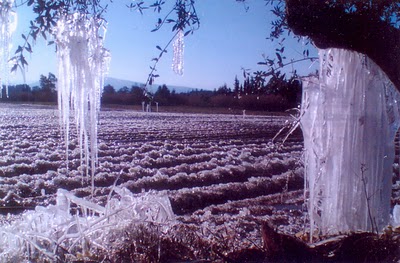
(349, 119)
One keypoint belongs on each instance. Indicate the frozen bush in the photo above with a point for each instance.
(52, 233)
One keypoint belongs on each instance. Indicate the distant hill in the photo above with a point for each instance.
(120, 83)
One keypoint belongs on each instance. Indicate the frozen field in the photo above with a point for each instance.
(222, 173)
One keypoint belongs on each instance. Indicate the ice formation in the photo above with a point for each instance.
(8, 24)
(179, 46)
(349, 119)
(396, 215)
(46, 230)
(82, 63)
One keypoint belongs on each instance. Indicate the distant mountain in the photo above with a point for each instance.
(120, 83)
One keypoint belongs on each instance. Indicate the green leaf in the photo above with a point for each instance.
(19, 50)
(28, 48)
(279, 57)
(23, 61)
(270, 62)
(44, 35)
(14, 67)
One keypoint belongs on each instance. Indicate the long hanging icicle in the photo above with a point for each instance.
(179, 47)
(82, 64)
(8, 24)
(349, 119)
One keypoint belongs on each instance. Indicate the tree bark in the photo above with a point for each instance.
(334, 28)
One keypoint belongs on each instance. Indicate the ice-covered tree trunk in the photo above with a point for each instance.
(349, 119)
(8, 24)
(82, 63)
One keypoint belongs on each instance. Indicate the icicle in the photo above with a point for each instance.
(82, 63)
(350, 117)
(8, 24)
(179, 46)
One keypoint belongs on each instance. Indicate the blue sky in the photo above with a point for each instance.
(229, 38)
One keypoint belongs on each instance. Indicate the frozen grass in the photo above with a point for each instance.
(62, 233)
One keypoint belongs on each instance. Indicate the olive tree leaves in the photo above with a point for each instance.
(277, 61)
(47, 13)
(182, 16)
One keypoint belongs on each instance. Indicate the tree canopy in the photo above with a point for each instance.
(369, 27)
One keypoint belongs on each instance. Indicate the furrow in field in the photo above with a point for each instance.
(199, 160)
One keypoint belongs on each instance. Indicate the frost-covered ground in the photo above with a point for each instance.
(222, 173)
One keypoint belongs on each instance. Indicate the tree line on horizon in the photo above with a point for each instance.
(278, 94)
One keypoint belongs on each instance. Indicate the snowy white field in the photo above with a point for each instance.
(222, 173)
(163, 152)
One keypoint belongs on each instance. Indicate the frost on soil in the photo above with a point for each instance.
(75, 227)
(82, 63)
(350, 117)
(8, 24)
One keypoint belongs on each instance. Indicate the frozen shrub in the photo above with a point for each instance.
(53, 234)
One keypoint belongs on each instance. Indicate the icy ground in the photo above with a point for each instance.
(222, 173)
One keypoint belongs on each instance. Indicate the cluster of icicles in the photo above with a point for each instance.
(82, 63)
(349, 119)
(8, 24)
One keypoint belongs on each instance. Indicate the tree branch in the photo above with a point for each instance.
(331, 27)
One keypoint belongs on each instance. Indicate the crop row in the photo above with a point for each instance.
(202, 162)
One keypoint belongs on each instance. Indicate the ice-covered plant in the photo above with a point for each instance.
(57, 233)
